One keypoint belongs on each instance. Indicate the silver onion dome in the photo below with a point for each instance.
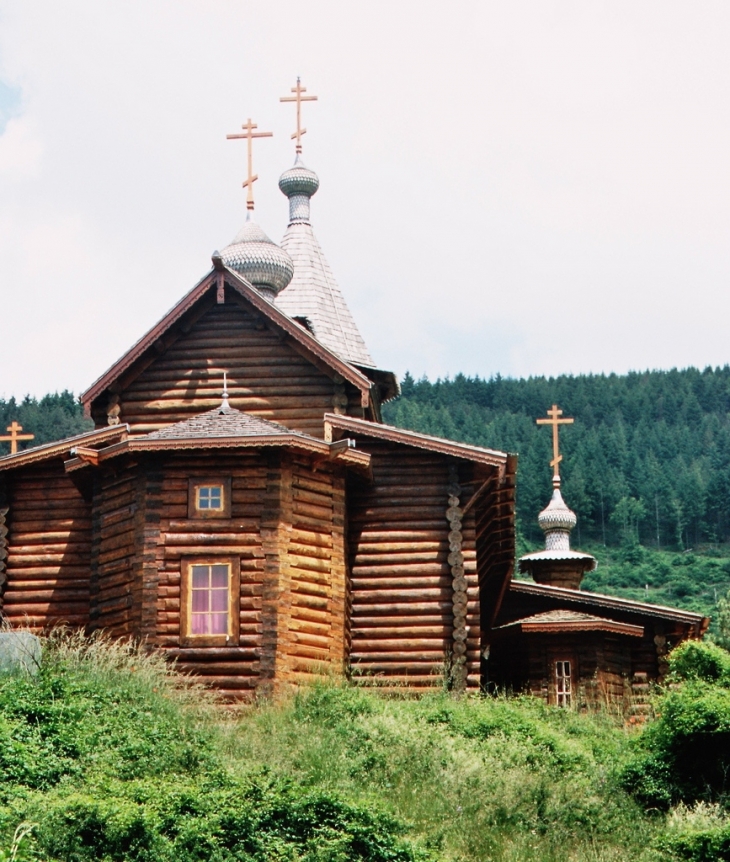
(299, 184)
(556, 515)
(259, 260)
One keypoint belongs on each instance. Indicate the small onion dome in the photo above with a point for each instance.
(259, 260)
(556, 515)
(299, 184)
(299, 180)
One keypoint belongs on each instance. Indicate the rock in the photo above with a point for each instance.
(19, 651)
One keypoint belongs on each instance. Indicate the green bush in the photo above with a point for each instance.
(684, 755)
(700, 661)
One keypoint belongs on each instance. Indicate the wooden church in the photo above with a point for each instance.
(241, 506)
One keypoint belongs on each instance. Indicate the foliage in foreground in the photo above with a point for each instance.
(112, 757)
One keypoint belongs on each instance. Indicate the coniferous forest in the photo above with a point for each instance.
(646, 466)
(647, 460)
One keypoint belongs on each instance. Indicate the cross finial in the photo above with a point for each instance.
(554, 413)
(249, 134)
(15, 435)
(298, 98)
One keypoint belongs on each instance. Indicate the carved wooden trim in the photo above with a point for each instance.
(454, 515)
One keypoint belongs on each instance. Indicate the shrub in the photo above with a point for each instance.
(700, 661)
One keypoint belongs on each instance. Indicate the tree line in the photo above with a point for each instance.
(647, 460)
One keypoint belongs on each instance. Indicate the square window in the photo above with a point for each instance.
(209, 498)
(210, 602)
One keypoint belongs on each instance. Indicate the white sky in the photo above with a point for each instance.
(514, 187)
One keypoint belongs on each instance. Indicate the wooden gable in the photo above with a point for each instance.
(276, 369)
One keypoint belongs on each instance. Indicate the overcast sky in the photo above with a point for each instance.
(519, 187)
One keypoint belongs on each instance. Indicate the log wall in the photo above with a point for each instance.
(313, 606)
(233, 669)
(48, 550)
(402, 584)
(117, 499)
(267, 377)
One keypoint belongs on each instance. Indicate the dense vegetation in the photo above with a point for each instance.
(647, 460)
(107, 755)
(50, 418)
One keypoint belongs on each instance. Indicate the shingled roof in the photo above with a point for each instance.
(313, 293)
(224, 421)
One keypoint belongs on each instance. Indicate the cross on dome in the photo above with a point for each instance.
(554, 413)
(249, 134)
(298, 98)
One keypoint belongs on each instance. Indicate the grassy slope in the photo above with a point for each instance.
(112, 759)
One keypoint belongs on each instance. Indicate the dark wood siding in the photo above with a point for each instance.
(401, 580)
(233, 669)
(49, 546)
(267, 376)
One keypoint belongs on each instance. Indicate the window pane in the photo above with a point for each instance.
(219, 624)
(210, 497)
(201, 577)
(219, 577)
(218, 600)
(200, 601)
(199, 624)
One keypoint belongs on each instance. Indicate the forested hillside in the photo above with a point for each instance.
(648, 458)
(49, 418)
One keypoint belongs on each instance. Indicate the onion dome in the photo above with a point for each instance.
(299, 184)
(556, 520)
(259, 260)
(557, 565)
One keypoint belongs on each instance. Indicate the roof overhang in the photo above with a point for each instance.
(216, 280)
(337, 422)
(598, 600)
(535, 625)
(320, 450)
(62, 448)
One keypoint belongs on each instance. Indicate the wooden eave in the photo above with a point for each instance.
(492, 457)
(309, 445)
(562, 626)
(598, 600)
(62, 448)
(277, 317)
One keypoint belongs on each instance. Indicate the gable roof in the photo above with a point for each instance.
(212, 281)
(413, 438)
(598, 600)
(61, 448)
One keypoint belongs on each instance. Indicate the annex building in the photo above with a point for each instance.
(241, 506)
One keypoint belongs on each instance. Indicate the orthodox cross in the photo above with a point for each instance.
(249, 134)
(15, 435)
(554, 413)
(298, 98)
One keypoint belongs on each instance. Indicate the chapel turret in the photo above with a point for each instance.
(557, 565)
(313, 297)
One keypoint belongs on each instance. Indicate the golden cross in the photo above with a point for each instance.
(15, 435)
(298, 98)
(249, 134)
(554, 413)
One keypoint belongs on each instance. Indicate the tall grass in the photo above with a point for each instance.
(113, 756)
